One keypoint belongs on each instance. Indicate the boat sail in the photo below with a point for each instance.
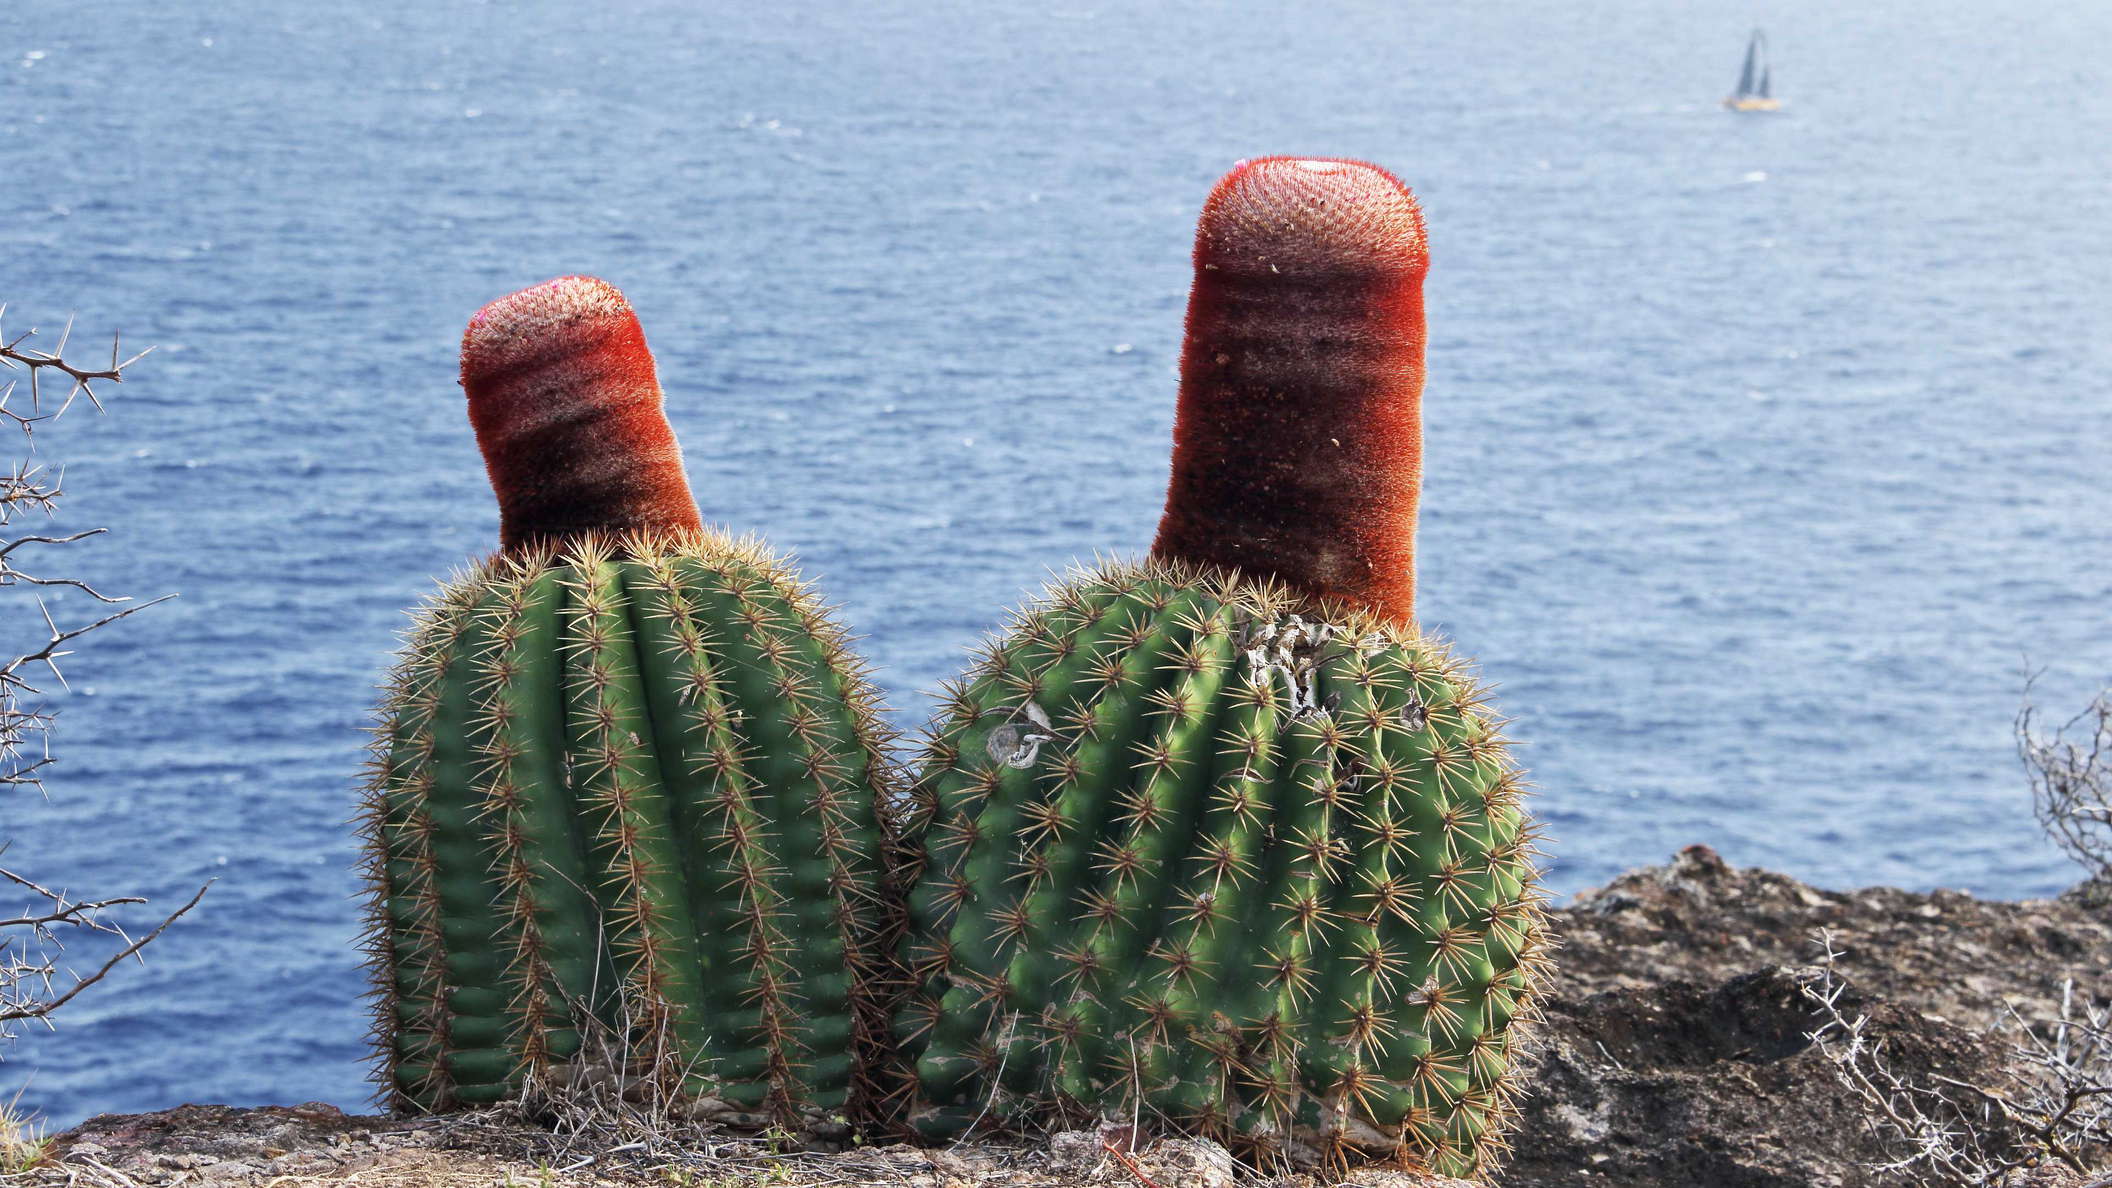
(1754, 91)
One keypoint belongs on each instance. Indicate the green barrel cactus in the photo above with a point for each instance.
(1220, 838)
(625, 824)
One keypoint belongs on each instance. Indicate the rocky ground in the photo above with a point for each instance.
(1676, 1052)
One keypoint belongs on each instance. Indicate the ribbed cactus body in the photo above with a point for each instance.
(625, 823)
(1199, 848)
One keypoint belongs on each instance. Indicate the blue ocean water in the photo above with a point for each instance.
(1766, 455)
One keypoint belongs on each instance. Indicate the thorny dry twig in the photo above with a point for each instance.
(2071, 781)
(28, 987)
(2055, 1107)
(24, 727)
(32, 984)
(1129, 1164)
(671, 1149)
(13, 355)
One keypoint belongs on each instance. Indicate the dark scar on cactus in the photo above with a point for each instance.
(567, 410)
(1298, 440)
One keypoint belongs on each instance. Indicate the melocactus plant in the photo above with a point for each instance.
(1220, 837)
(624, 822)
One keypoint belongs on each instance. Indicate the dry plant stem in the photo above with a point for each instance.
(19, 727)
(31, 984)
(628, 1141)
(2059, 1109)
(1129, 1164)
(2071, 780)
(79, 915)
(14, 354)
(31, 488)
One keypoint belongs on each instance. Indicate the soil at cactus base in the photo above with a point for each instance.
(1675, 1052)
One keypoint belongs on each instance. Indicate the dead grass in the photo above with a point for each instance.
(23, 1145)
(299, 1147)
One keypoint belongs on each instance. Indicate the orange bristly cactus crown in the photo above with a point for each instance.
(567, 410)
(1298, 441)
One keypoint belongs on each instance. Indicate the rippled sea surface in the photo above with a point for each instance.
(1766, 455)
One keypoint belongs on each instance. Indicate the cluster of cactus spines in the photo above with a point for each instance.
(627, 815)
(1219, 836)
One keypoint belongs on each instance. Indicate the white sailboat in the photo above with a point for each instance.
(1754, 91)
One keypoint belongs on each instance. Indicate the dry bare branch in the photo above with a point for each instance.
(32, 982)
(2071, 781)
(28, 987)
(2052, 1105)
(13, 354)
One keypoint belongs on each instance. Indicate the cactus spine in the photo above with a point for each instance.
(623, 822)
(1220, 836)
